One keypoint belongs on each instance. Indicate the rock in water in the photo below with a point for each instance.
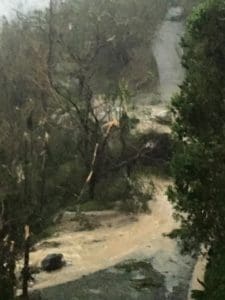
(52, 262)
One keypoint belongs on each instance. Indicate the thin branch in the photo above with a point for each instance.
(90, 175)
(141, 153)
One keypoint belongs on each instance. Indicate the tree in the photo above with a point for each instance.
(7, 268)
(57, 103)
(198, 166)
(89, 41)
(198, 194)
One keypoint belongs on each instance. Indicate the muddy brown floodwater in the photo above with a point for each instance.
(119, 238)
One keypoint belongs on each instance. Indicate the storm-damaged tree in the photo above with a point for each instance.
(70, 71)
(77, 62)
(54, 65)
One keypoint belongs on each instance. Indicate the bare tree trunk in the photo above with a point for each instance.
(43, 173)
(26, 171)
(7, 269)
(26, 271)
(92, 186)
(91, 173)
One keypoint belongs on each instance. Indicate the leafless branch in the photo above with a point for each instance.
(89, 177)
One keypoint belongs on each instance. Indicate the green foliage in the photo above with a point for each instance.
(7, 269)
(199, 130)
(198, 164)
(214, 278)
(188, 5)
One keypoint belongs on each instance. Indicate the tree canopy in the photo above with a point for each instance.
(199, 127)
(198, 167)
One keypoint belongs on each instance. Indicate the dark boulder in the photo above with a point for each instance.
(52, 262)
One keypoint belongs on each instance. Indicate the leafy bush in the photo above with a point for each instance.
(198, 165)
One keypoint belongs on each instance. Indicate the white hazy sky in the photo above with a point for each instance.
(8, 7)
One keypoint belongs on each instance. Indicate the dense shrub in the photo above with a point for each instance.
(198, 165)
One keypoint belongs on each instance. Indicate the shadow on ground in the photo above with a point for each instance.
(126, 281)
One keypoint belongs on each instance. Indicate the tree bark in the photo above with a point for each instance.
(26, 271)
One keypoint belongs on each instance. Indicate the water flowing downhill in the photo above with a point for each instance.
(122, 238)
(167, 52)
(119, 239)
